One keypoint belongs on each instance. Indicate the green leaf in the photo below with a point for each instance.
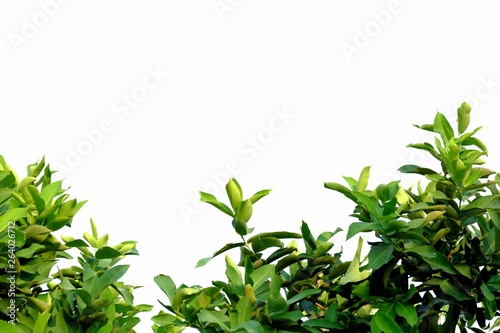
(428, 148)
(411, 235)
(250, 326)
(410, 168)
(29, 251)
(304, 294)
(288, 316)
(453, 291)
(487, 292)
(370, 203)
(357, 227)
(463, 117)
(107, 252)
(424, 251)
(240, 227)
(384, 323)
(494, 283)
(476, 142)
(244, 211)
(261, 275)
(260, 244)
(40, 324)
(61, 326)
(234, 193)
(408, 312)
(363, 179)
(443, 127)
(210, 199)
(275, 302)
(244, 308)
(12, 215)
(342, 189)
(325, 236)
(215, 317)
(233, 273)
(484, 202)
(225, 248)
(109, 277)
(379, 255)
(276, 234)
(76, 243)
(203, 261)
(50, 191)
(323, 323)
(39, 203)
(439, 262)
(309, 240)
(181, 295)
(259, 195)
(353, 273)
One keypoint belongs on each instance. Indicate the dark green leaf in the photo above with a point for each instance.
(410, 168)
(107, 252)
(357, 227)
(260, 244)
(385, 324)
(309, 240)
(408, 312)
(379, 255)
(276, 234)
(304, 294)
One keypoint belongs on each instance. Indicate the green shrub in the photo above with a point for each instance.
(433, 267)
(37, 296)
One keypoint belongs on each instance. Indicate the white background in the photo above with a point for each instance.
(352, 78)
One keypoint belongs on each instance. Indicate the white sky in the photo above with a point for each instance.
(208, 80)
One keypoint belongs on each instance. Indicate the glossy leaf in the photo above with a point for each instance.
(259, 195)
(410, 168)
(234, 193)
(383, 323)
(210, 199)
(379, 255)
(353, 273)
(357, 227)
(261, 275)
(408, 312)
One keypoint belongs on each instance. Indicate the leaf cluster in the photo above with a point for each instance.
(88, 297)
(434, 266)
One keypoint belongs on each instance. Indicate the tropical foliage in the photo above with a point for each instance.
(36, 295)
(434, 266)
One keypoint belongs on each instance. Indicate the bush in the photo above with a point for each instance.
(433, 267)
(35, 298)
